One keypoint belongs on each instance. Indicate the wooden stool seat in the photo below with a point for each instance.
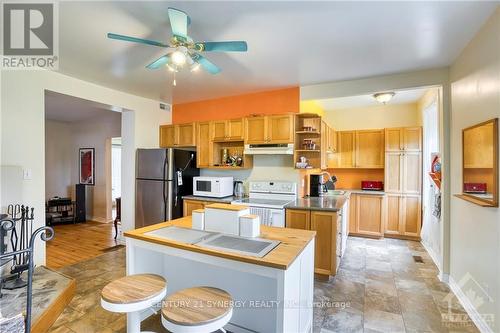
(197, 308)
(133, 289)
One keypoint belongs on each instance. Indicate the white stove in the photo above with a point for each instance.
(268, 199)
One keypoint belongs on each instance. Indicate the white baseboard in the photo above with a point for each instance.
(434, 256)
(476, 317)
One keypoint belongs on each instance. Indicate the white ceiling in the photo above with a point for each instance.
(289, 43)
(360, 101)
(68, 109)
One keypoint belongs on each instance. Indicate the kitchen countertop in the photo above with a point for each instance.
(293, 242)
(332, 203)
(211, 199)
(326, 203)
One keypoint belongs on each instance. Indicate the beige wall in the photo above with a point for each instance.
(58, 159)
(475, 231)
(373, 117)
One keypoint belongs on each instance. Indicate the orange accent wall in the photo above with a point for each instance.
(267, 102)
(351, 178)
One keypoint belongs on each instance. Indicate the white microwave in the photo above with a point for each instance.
(217, 187)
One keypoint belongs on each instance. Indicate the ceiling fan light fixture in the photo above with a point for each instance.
(194, 67)
(384, 97)
(178, 57)
(172, 67)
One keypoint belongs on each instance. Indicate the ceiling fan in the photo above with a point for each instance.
(184, 51)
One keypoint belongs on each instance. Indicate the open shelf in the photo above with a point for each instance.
(233, 148)
(308, 132)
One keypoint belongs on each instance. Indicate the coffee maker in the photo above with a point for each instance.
(317, 186)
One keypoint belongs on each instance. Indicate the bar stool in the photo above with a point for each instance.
(197, 310)
(132, 294)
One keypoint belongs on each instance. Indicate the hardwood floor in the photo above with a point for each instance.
(77, 242)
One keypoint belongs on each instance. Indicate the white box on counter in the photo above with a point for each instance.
(198, 220)
(249, 226)
(224, 218)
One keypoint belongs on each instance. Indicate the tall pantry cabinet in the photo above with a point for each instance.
(403, 182)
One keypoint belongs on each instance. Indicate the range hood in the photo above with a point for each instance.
(269, 149)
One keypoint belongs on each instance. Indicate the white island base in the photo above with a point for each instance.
(266, 299)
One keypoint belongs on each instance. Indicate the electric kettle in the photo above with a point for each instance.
(238, 189)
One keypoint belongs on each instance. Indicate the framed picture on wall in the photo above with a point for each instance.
(86, 166)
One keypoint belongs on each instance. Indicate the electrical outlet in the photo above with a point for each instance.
(27, 174)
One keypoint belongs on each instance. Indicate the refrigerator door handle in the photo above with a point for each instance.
(167, 196)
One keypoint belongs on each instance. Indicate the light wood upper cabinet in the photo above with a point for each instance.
(332, 140)
(346, 157)
(167, 136)
(298, 219)
(182, 135)
(204, 146)
(393, 139)
(280, 129)
(269, 129)
(325, 225)
(412, 139)
(187, 135)
(370, 149)
(369, 214)
(403, 139)
(256, 130)
(219, 132)
(228, 130)
(236, 129)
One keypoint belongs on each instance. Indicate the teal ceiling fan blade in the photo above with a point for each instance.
(159, 62)
(136, 40)
(179, 22)
(235, 46)
(206, 64)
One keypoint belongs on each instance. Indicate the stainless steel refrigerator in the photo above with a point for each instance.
(163, 177)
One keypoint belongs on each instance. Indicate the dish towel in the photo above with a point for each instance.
(437, 205)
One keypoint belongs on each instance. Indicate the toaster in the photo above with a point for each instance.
(372, 185)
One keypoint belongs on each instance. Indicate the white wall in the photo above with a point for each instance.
(23, 131)
(374, 117)
(475, 231)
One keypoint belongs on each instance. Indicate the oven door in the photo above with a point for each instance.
(272, 217)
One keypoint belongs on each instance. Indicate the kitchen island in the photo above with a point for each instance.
(273, 293)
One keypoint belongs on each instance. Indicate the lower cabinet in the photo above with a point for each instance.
(403, 217)
(190, 205)
(366, 215)
(328, 228)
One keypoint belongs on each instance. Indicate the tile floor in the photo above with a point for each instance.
(379, 288)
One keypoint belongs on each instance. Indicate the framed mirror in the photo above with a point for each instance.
(480, 163)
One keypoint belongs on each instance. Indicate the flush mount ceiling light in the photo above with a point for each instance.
(384, 97)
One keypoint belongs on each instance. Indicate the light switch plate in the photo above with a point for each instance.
(27, 174)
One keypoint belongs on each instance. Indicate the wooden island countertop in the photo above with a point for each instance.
(293, 242)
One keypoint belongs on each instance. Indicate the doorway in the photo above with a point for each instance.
(78, 140)
(116, 172)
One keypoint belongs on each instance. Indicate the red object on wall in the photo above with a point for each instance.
(372, 185)
(266, 102)
(475, 188)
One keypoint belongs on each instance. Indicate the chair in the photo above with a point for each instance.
(197, 310)
(132, 294)
(118, 215)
